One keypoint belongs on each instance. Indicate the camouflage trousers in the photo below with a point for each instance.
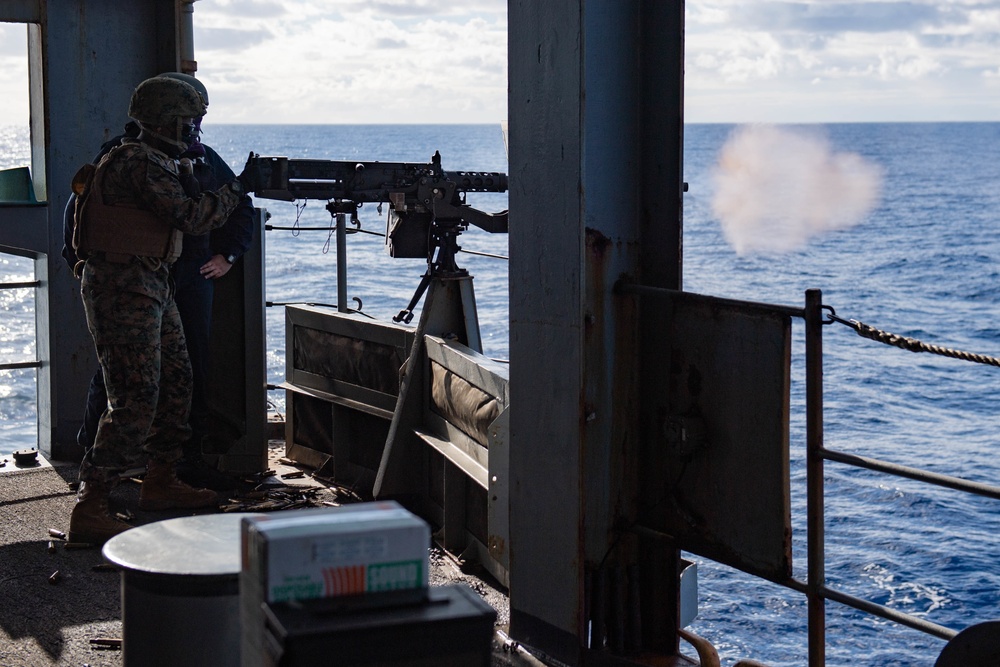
(140, 344)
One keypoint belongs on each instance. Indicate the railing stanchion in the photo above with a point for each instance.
(341, 263)
(816, 578)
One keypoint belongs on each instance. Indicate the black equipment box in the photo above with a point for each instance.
(452, 627)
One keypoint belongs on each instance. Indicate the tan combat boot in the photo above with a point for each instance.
(161, 490)
(91, 522)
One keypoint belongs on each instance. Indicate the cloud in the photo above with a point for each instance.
(420, 8)
(943, 41)
(305, 61)
(13, 40)
(833, 17)
(386, 43)
(892, 66)
(13, 76)
(229, 39)
(400, 8)
(363, 67)
(830, 60)
(247, 8)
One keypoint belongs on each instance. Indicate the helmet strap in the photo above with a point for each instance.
(170, 145)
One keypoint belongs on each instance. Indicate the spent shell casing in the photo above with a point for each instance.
(52, 547)
(55, 577)
(57, 533)
(77, 545)
(106, 643)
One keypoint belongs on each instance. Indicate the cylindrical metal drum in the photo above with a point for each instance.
(180, 591)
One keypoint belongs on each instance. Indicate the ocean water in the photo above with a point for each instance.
(922, 260)
(925, 262)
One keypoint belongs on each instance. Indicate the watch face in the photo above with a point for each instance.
(231, 259)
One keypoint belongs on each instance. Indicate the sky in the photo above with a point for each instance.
(424, 61)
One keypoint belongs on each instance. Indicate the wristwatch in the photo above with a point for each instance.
(231, 259)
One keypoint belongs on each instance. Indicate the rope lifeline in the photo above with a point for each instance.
(297, 228)
(907, 343)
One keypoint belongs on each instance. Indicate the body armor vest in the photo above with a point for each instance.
(119, 229)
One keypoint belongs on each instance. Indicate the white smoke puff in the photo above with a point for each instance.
(776, 188)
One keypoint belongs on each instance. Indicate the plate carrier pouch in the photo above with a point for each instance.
(120, 230)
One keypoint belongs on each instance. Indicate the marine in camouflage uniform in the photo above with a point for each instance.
(133, 317)
(129, 302)
(204, 259)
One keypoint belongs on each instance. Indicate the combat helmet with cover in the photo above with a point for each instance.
(192, 131)
(194, 82)
(163, 102)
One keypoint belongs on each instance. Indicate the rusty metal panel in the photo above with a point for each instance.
(721, 431)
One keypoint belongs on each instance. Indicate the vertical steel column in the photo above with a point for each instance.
(547, 210)
(186, 30)
(341, 263)
(814, 478)
(660, 31)
(595, 87)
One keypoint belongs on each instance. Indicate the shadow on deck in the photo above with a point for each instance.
(58, 600)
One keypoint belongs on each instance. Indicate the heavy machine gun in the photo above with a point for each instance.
(427, 205)
(444, 375)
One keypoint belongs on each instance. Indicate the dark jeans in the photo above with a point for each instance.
(194, 296)
(97, 403)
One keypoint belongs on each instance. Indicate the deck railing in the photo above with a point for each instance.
(6, 366)
(815, 588)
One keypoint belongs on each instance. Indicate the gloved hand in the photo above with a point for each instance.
(247, 177)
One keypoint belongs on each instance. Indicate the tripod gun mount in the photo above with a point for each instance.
(427, 205)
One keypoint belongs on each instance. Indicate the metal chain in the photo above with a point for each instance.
(906, 343)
